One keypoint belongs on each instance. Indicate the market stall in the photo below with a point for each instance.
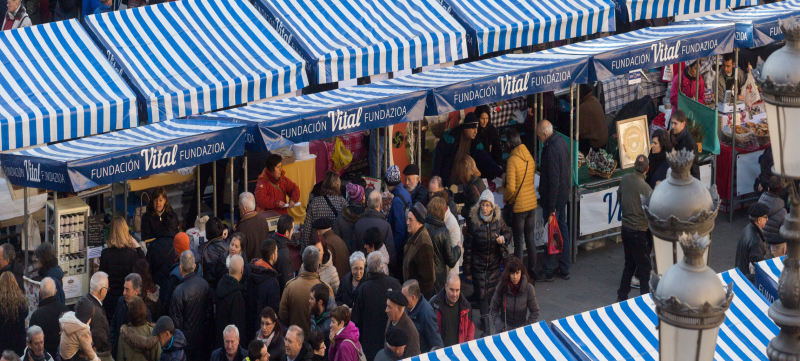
(195, 56)
(654, 9)
(532, 342)
(61, 88)
(352, 39)
(627, 330)
(768, 272)
(504, 25)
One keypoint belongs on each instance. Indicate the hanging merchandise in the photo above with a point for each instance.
(341, 156)
(750, 91)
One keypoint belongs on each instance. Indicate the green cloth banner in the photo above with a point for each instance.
(574, 156)
(706, 117)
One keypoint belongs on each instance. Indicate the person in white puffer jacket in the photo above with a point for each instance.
(76, 338)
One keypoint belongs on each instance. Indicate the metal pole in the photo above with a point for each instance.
(377, 153)
(246, 180)
(574, 234)
(733, 131)
(535, 149)
(419, 146)
(199, 192)
(126, 201)
(113, 200)
(232, 195)
(25, 227)
(714, 157)
(214, 176)
(697, 85)
(571, 209)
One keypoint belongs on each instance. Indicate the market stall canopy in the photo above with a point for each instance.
(194, 56)
(501, 78)
(509, 24)
(55, 84)
(127, 154)
(654, 9)
(755, 26)
(349, 39)
(532, 342)
(283, 122)
(768, 273)
(650, 48)
(627, 330)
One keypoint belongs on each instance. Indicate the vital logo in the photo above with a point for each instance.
(33, 172)
(155, 159)
(344, 120)
(663, 52)
(512, 85)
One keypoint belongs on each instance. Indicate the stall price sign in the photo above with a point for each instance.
(95, 227)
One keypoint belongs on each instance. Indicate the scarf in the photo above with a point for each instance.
(486, 218)
(514, 288)
(267, 341)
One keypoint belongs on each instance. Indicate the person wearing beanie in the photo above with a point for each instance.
(162, 253)
(76, 336)
(753, 246)
(777, 245)
(418, 261)
(460, 142)
(396, 342)
(413, 184)
(397, 216)
(345, 223)
(485, 249)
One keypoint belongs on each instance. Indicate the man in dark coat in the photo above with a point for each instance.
(421, 313)
(752, 246)
(414, 186)
(100, 329)
(683, 140)
(370, 303)
(47, 314)
(262, 286)
(161, 255)
(554, 178)
(296, 347)
(453, 313)
(191, 309)
(396, 304)
(8, 264)
(373, 217)
(132, 287)
(253, 226)
(48, 267)
(230, 299)
(230, 351)
(396, 342)
(282, 236)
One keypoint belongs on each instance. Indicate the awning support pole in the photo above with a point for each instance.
(214, 176)
(733, 132)
(232, 195)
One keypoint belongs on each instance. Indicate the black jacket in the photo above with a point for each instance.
(305, 354)
(471, 196)
(101, 331)
(263, 290)
(369, 311)
(220, 355)
(55, 272)
(12, 333)
(420, 194)
(657, 170)
(277, 348)
(752, 249)
(154, 225)
(345, 224)
(446, 150)
(283, 266)
(554, 175)
(230, 303)
(490, 138)
(346, 292)
(686, 141)
(161, 256)
(120, 318)
(16, 269)
(191, 309)
(118, 263)
(46, 316)
(482, 254)
(211, 253)
(373, 218)
(444, 255)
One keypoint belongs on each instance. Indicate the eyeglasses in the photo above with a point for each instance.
(267, 323)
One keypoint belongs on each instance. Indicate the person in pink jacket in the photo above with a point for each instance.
(688, 84)
(344, 337)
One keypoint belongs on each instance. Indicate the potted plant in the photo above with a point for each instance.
(698, 134)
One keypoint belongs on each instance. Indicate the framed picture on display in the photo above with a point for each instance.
(634, 139)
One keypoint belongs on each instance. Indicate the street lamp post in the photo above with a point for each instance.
(780, 85)
(679, 204)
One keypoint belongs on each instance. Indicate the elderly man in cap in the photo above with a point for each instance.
(419, 253)
(397, 215)
(414, 186)
(368, 298)
(752, 246)
(336, 246)
(777, 245)
(396, 341)
(396, 303)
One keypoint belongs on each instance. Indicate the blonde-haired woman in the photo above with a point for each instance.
(13, 311)
(470, 177)
(118, 260)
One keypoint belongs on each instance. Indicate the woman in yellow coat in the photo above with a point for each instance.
(520, 194)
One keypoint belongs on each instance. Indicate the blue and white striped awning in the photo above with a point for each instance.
(349, 39)
(279, 123)
(194, 56)
(758, 25)
(501, 78)
(496, 25)
(627, 330)
(532, 342)
(654, 9)
(767, 274)
(81, 164)
(650, 48)
(55, 84)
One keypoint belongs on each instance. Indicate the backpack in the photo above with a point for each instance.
(361, 356)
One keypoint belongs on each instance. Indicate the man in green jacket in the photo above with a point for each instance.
(635, 234)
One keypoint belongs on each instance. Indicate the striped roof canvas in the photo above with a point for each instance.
(654, 9)
(55, 84)
(194, 56)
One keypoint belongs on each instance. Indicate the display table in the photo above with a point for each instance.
(724, 170)
(302, 173)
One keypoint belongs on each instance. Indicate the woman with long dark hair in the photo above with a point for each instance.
(154, 224)
(660, 146)
(150, 291)
(514, 303)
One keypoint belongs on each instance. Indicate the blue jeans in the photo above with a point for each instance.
(523, 228)
(550, 260)
(374, 171)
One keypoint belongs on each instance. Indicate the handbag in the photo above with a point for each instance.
(555, 242)
(508, 210)
(139, 212)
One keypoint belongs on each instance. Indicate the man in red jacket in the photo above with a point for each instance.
(273, 188)
(452, 312)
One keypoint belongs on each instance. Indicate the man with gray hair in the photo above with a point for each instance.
(191, 309)
(554, 178)
(421, 314)
(230, 351)
(369, 304)
(8, 264)
(254, 227)
(34, 350)
(98, 289)
(230, 301)
(131, 288)
(47, 314)
(635, 234)
(296, 347)
(294, 308)
(373, 217)
(9, 355)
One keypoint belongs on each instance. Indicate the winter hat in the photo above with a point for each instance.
(164, 323)
(757, 210)
(419, 212)
(355, 192)
(488, 196)
(411, 169)
(470, 121)
(392, 176)
(181, 243)
(776, 239)
(84, 311)
(396, 337)
(398, 298)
